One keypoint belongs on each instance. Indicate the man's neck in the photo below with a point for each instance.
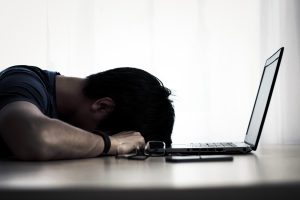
(68, 95)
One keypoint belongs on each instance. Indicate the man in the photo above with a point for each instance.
(47, 116)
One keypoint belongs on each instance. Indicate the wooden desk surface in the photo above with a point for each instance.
(273, 171)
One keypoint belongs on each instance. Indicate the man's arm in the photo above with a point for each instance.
(33, 136)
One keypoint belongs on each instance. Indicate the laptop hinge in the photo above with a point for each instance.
(250, 145)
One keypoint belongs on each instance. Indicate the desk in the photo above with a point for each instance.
(272, 172)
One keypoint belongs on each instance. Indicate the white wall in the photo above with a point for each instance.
(23, 33)
(209, 52)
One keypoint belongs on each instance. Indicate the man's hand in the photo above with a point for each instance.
(125, 142)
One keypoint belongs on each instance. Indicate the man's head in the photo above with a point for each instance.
(135, 100)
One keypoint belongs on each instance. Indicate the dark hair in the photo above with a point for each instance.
(141, 102)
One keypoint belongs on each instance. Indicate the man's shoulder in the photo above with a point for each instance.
(21, 67)
(26, 68)
(31, 84)
(29, 73)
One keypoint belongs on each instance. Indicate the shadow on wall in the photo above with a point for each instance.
(280, 26)
(297, 24)
(290, 35)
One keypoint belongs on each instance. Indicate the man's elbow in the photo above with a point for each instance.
(35, 148)
(32, 155)
(37, 151)
(24, 130)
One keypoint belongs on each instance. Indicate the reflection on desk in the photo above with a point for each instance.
(273, 172)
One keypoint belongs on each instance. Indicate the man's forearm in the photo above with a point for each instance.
(63, 141)
(30, 135)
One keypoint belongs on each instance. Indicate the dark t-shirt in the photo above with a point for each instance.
(31, 84)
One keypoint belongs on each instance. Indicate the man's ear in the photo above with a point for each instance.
(103, 106)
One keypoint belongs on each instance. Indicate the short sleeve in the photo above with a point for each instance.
(21, 84)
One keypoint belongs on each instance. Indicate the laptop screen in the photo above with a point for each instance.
(262, 100)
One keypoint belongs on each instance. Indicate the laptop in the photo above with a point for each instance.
(256, 122)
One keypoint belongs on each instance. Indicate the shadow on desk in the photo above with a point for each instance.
(270, 173)
(245, 193)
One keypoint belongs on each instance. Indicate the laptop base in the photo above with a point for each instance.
(209, 149)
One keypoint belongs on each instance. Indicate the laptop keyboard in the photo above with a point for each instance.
(212, 145)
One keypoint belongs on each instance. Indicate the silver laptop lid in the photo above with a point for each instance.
(263, 98)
